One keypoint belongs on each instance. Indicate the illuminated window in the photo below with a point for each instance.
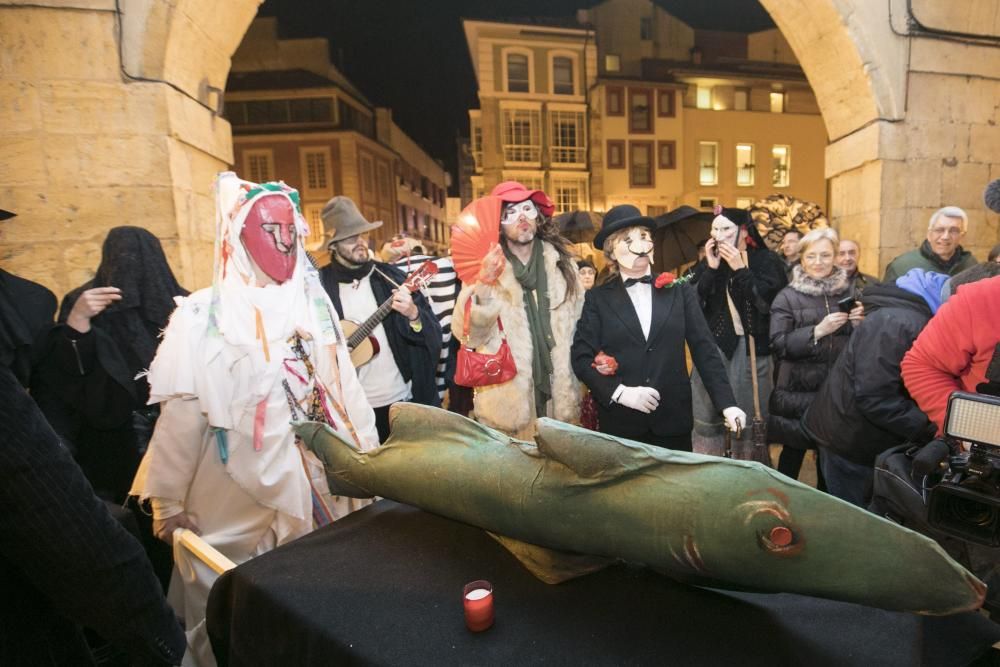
(258, 164)
(744, 202)
(562, 75)
(781, 166)
(311, 212)
(667, 154)
(641, 173)
(741, 99)
(777, 103)
(517, 73)
(614, 102)
(476, 130)
(612, 62)
(570, 194)
(522, 135)
(315, 166)
(616, 154)
(745, 165)
(704, 99)
(567, 144)
(640, 118)
(708, 163)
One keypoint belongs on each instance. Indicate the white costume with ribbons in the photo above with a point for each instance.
(238, 363)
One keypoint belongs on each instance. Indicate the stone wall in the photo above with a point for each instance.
(87, 147)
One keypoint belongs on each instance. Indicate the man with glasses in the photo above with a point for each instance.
(941, 252)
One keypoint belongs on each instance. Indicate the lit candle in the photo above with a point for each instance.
(477, 599)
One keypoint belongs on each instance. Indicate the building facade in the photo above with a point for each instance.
(532, 122)
(673, 115)
(296, 118)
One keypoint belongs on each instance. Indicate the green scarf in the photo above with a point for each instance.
(535, 284)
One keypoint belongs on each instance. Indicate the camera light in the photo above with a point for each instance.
(973, 418)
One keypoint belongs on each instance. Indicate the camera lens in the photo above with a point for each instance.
(971, 512)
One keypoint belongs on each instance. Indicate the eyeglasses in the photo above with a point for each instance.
(823, 257)
(946, 231)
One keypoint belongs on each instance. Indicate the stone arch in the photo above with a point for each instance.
(911, 109)
(109, 116)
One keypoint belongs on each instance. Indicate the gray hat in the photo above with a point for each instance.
(342, 220)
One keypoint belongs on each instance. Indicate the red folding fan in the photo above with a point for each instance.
(472, 234)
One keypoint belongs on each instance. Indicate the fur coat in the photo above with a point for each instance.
(509, 407)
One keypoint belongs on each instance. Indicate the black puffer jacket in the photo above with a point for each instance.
(804, 362)
(863, 409)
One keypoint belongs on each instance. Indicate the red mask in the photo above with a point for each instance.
(269, 236)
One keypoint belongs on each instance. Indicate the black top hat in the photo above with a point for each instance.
(4, 215)
(618, 217)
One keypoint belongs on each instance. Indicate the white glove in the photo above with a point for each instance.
(643, 399)
(736, 419)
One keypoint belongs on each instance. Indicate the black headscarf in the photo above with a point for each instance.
(132, 260)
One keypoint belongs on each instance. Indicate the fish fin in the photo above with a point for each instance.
(335, 453)
(550, 565)
(595, 456)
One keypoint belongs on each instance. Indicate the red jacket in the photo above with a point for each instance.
(954, 349)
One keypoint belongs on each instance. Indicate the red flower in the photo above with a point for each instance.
(665, 278)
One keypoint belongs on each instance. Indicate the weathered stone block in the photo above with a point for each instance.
(85, 42)
(924, 183)
(123, 160)
(984, 143)
(19, 108)
(93, 106)
(962, 185)
(22, 160)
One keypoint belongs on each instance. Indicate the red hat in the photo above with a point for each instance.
(513, 192)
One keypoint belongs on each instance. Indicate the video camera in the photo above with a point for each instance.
(966, 502)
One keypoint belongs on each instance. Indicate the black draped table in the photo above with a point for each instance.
(383, 586)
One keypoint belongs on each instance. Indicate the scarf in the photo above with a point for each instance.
(348, 273)
(535, 284)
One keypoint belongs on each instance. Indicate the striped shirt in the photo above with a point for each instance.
(441, 292)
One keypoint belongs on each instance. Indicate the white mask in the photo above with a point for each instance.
(637, 242)
(725, 230)
(513, 212)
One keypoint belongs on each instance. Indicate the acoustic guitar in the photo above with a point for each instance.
(363, 346)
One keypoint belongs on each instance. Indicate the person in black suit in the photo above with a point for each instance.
(645, 393)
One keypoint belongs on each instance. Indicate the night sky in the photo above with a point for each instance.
(411, 56)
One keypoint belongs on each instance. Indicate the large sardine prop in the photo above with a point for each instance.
(699, 519)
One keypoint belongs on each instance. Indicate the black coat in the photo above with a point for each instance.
(804, 362)
(416, 353)
(64, 559)
(863, 409)
(609, 324)
(752, 290)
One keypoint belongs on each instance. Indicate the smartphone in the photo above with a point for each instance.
(715, 249)
(846, 304)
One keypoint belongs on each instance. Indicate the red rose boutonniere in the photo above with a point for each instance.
(667, 279)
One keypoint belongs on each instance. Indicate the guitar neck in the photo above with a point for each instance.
(369, 325)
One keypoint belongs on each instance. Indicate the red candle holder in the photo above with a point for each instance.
(477, 600)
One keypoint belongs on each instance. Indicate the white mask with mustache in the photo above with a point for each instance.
(637, 242)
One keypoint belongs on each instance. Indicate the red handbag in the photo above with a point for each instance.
(477, 369)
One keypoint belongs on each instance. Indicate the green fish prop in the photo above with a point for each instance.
(702, 520)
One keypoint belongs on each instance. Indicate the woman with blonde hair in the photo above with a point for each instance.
(809, 329)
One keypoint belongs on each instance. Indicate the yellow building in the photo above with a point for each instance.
(295, 117)
(531, 125)
(674, 115)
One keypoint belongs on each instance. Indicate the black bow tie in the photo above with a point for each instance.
(632, 281)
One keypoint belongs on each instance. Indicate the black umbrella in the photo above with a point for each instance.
(578, 226)
(677, 235)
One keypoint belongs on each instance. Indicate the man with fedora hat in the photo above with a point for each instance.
(529, 282)
(409, 339)
(643, 322)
